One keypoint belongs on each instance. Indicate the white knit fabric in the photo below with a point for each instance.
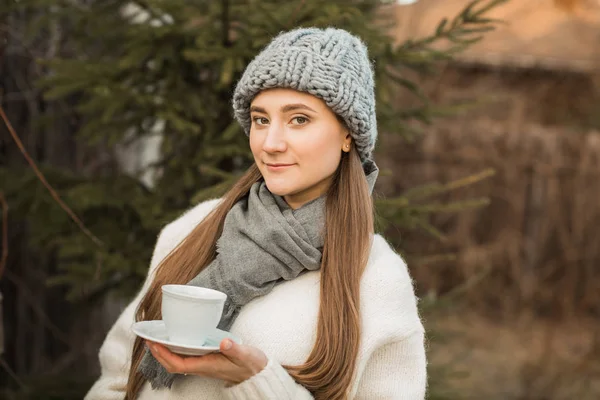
(391, 361)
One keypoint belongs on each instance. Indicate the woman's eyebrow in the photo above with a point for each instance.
(258, 109)
(284, 109)
(294, 107)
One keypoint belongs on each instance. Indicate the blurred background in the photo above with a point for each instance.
(116, 118)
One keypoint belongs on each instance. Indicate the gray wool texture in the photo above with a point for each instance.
(331, 64)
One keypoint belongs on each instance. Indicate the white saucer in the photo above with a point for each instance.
(156, 331)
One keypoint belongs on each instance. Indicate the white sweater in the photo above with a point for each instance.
(391, 359)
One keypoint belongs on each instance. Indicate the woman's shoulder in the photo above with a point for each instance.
(386, 268)
(388, 300)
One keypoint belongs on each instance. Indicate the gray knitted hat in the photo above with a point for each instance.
(328, 63)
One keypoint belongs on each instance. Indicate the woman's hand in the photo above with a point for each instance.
(234, 364)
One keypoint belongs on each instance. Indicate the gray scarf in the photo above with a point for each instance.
(264, 242)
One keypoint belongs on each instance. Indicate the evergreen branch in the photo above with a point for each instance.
(485, 9)
(455, 31)
(432, 230)
(42, 179)
(469, 180)
(4, 234)
(406, 83)
(423, 192)
(400, 201)
(453, 207)
(465, 286)
(467, 11)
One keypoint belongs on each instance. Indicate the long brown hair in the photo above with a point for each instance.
(329, 370)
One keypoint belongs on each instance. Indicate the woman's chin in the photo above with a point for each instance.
(279, 191)
(280, 188)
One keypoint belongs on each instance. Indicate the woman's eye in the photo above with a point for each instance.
(261, 120)
(299, 120)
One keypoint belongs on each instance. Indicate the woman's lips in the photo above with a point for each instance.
(275, 167)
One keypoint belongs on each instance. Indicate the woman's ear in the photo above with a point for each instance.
(347, 143)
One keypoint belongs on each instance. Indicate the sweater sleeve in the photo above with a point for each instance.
(397, 370)
(272, 383)
(114, 358)
(115, 352)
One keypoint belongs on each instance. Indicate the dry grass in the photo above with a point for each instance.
(524, 359)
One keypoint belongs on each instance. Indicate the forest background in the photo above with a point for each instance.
(116, 118)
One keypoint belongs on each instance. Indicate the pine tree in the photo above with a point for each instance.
(173, 64)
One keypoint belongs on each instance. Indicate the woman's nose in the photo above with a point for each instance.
(275, 140)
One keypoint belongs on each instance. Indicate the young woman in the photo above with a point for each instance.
(325, 309)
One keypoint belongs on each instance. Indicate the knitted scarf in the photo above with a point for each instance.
(264, 242)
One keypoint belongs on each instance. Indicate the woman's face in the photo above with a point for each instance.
(297, 143)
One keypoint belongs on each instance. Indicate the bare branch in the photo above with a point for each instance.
(41, 177)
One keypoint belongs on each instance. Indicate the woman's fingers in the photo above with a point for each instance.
(172, 362)
(238, 354)
(154, 349)
(213, 365)
(230, 350)
(245, 357)
(235, 363)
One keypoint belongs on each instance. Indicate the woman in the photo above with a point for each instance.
(325, 308)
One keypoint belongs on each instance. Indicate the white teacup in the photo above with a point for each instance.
(191, 313)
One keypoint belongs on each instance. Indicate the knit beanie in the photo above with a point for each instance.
(330, 64)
